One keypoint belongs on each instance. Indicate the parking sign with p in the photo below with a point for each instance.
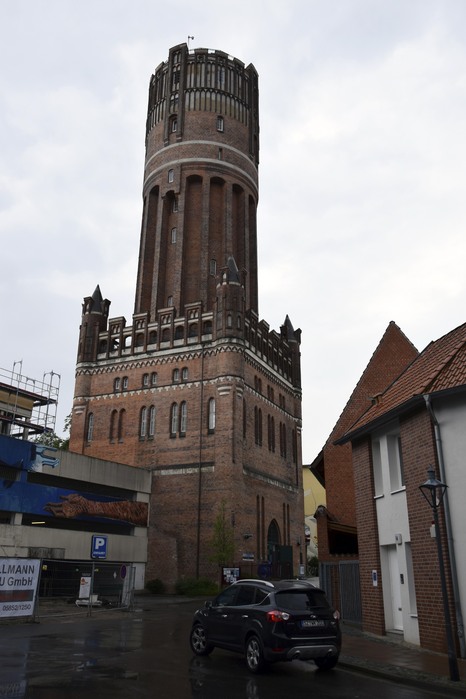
(99, 546)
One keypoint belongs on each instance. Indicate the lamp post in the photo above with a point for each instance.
(434, 492)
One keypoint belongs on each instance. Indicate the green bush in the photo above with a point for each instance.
(156, 587)
(196, 586)
(313, 567)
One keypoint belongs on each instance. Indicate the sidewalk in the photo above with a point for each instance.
(386, 657)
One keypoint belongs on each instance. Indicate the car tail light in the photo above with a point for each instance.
(336, 615)
(275, 615)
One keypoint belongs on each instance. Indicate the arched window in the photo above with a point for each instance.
(116, 385)
(183, 418)
(211, 415)
(271, 432)
(258, 426)
(113, 421)
(173, 419)
(145, 380)
(244, 419)
(283, 439)
(124, 383)
(90, 427)
(176, 375)
(151, 421)
(121, 425)
(143, 422)
(153, 378)
(184, 373)
(294, 446)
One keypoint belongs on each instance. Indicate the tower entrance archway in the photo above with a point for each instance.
(279, 556)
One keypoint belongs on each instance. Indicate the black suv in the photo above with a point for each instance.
(268, 622)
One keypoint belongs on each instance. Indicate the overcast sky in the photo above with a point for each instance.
(362, 171)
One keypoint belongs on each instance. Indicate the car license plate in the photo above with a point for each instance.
(307, 623)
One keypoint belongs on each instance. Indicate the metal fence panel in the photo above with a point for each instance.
(340, 580)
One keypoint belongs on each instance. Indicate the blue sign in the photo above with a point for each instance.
(99, 546)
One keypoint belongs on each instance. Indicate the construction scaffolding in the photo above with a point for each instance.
(27, 406)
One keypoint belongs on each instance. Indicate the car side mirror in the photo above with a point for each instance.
(208, 604)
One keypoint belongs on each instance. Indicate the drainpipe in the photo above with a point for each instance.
(450, 541)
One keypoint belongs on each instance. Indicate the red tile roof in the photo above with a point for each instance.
(439, 367)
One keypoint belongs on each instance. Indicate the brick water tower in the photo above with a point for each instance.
(198, 389)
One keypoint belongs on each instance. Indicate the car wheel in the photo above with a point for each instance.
(254, 655)
(326, 663)
(198, 641)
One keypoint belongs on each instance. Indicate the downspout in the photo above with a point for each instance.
(199, 482)
(450, 540)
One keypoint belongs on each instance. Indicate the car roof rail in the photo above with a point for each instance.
(255, 581)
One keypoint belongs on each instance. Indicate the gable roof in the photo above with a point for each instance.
(441, 366)
(389, 359)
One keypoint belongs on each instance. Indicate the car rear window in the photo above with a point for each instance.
(302, 600)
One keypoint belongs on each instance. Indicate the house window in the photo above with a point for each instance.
(145, 380)
(124, 383)
(90, 427)
(174, 124)
(173, 235)
(143, 422)
(153, 378)
(151, 421)
(116, 385)
(184, 374)
(220, 124)
(183, 418)
(170, 301)
(174, 205)
(171, 175)
(176, 375)
(211, 415)
(395, 462)
(213, 267)
(377, 468)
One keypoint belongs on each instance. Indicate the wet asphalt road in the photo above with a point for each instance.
(146, 654)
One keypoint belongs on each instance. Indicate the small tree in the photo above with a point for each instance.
(223, 542)
(51, 439)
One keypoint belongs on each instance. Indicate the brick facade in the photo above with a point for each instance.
(145, 394)
(391, 356)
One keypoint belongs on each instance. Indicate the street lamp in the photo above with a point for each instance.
(434, 492)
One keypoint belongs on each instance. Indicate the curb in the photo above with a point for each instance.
(413, 678)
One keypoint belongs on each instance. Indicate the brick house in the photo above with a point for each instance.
(418, 421)
(198, 388)
(336, 523)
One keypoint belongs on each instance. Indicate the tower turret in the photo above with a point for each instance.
(94, 320)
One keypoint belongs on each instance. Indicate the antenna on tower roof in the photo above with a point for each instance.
(190, 37)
